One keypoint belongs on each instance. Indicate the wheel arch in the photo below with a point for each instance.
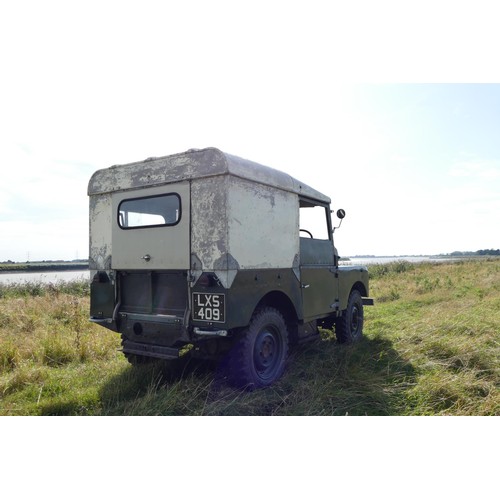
(360, 287)
(282, 302)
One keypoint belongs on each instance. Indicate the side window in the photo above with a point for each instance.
(151, 211)
(313, 221)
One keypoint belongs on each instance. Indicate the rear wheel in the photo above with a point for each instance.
(349, 327)
(259, 355)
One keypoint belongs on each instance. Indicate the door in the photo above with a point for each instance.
(318, 271)
(150, 228)
(318, 277)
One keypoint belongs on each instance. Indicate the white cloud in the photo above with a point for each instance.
(85, 88)
(483, 169)
(35, 240)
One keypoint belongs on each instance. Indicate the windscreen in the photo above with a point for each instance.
(313, 221)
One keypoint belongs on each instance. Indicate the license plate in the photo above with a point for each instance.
(209, 307)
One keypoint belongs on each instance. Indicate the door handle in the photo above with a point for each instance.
(304, 286)
(146, 257)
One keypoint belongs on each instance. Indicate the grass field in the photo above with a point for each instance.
(431, 347)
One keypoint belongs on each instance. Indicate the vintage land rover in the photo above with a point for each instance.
(231, 260)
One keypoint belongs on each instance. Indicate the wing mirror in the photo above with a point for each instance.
(340, 214)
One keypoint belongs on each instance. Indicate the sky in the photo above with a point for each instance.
(375, 104)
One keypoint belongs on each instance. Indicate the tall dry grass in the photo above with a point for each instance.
(431, 347)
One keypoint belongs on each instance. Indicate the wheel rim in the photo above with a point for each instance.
(354, 319)
(267, 352)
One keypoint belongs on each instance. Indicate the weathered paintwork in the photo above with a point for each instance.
(237, 237)
(194, 164)
(240, 210)
(101, 215)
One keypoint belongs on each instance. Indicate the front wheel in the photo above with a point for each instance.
(349, 327)
(259, 355)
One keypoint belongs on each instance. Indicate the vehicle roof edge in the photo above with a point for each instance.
(194, 164)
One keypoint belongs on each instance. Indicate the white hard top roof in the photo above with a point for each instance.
(194, 164)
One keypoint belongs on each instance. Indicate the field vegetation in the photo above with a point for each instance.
(431, 347)
(43, 266)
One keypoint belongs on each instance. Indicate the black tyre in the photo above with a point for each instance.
(259, 355)
(349, 327)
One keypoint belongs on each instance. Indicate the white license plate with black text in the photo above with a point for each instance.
(209, 307)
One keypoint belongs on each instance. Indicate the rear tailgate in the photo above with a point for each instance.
(150, 228)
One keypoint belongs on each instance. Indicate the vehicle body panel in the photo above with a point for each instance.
(234, 248)
(319, 279)
(166, 246)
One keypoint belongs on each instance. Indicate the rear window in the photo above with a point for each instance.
(151, 211)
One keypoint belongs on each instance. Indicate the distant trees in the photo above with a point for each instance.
(488, 252)
(478, 252)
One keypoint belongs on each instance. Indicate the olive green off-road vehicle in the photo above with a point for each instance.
(228, 258)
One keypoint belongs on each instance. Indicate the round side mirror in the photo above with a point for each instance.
(340, 213)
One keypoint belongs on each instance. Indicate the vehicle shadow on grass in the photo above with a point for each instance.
(158, 388)
(155, 388)
(321, 378)
(367, 378)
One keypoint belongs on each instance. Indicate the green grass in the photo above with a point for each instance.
(431, 347)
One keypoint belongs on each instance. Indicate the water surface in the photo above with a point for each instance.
(48, 277)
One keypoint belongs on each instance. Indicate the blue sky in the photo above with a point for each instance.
(433, 165)
(321, 92)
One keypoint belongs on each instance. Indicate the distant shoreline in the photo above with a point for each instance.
(43, 267)
(10, 267)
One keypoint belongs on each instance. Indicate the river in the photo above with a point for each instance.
(66, 276)
(49, 277)
(367, 261)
